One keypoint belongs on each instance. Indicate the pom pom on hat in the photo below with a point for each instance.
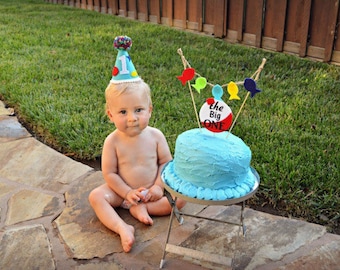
(123, 70)
(122, 43)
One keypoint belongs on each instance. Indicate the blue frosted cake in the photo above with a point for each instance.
(210, 166)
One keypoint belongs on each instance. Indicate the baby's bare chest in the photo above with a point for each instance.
(138, 161)
(143, 152)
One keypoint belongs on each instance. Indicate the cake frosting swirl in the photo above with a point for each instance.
(210, 166)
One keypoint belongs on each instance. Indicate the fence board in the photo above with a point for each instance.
(122, 8)
(154, 11)
(112, 7)
(337, 31)
(208, 19)
(322, 28)
(336, 51)
(104, 7)
(297, 24)
(274, 24)
(89, 5)
(195, 15)
(83, 4)
(142, 10)
(253, 23)
(214, 17)
(167, 12)
(235, 18)
(132, 9)
(180, 14)
(96, 5)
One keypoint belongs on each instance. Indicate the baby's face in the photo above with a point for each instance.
(130, 112)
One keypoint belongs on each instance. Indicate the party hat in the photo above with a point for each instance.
(123, 70)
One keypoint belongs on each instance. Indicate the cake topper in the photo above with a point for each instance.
(200, 83)
(233, 91)
(187, 75)
(123, 70)
(215, 114)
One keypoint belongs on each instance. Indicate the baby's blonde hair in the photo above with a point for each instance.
(114, 90)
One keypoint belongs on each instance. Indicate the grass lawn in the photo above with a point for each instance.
(56, 62)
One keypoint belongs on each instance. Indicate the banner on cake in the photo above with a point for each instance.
(215, 115)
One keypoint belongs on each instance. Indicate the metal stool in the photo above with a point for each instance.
(172, 196)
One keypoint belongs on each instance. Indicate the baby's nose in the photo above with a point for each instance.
(132, 117)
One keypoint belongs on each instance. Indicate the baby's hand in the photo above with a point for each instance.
(134, 196)
(155, 193)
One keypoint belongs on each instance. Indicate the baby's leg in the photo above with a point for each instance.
(140, 212)
(161, 207)
(102, 200)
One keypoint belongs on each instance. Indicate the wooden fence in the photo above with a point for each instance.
(307, 28)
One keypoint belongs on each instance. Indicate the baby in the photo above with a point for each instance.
(132, 160)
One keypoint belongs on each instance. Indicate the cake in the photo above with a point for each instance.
(210, 166)
(210, 163)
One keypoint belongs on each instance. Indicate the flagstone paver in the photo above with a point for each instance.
(20, 248)
(32, 163)
(10, 129)
(29, 204)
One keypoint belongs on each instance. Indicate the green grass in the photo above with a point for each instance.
(55, 63)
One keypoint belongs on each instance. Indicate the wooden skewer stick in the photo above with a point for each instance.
(185, 64)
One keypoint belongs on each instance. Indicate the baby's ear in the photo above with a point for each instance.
(109, 114)
(150, 109)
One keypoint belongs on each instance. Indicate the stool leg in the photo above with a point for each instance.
(242, 219)
(173, 205)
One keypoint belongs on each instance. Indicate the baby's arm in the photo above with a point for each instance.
(111, 176)
(164, 155)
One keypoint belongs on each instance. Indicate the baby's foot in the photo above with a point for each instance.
(127, 237)
(140, 212)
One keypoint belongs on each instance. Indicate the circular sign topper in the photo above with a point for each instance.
(216, 115)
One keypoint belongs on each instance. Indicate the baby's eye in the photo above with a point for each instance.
(139, 109)
(122, 112)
